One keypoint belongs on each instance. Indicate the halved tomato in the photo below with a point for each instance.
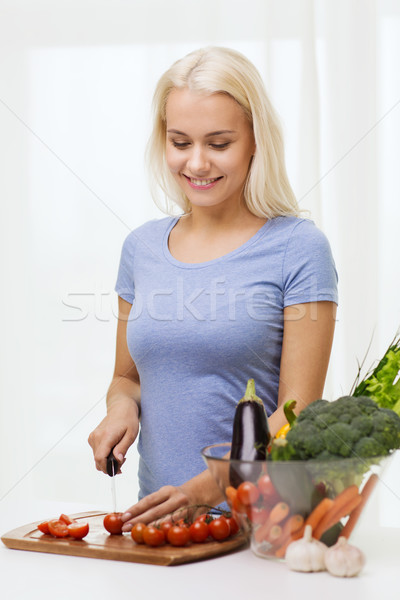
(78, 530)
(58, 528)
(66, 519)
(44, 527)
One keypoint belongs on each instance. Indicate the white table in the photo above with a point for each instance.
(31, 575)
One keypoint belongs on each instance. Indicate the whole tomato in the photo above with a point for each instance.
(153, 536)
(257, 515)
(248, 493)
(233, 525)
(219, 528)
(178, 535)
(267, 490)
(112, 522)
(137, 533)
(165, 527)
(199, 531)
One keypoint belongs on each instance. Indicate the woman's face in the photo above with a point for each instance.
(209, 146)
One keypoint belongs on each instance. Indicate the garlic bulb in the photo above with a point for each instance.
(306, 554)
(344, 560)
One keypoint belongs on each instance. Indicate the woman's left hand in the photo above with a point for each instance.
(201, 489)
(155, 506)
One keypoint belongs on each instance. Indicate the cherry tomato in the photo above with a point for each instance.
(153, 536)
(58, 528)
(199, 531)
(257, 515)
(165, 527)
(78, 530)
(233, 525)
(182, 523)
(205, 517)
(44, 527)
(178, 535)
(112, 522)
(219, 528)
(267, 490)
(66, 519)
(248, 493)
(137, 533)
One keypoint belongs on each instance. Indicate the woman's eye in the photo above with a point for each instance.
(220, 146)
(180, 145)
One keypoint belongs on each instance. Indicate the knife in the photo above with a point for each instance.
(112, 470)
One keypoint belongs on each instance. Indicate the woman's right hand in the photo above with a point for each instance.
(117, 430)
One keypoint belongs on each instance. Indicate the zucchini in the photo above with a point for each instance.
(250, 437)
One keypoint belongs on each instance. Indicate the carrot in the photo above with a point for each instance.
(355, 514)
(319, 512)
(290, 526)
(231, 493)
(278, 513)
(274, 534)
(342, 505)
(281, 551)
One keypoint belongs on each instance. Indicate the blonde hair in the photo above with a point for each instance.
(267, 191)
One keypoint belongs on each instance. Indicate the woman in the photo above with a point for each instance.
(238, 286)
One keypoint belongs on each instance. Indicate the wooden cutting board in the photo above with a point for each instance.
(99, 544)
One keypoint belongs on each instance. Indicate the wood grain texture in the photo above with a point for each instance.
(99, 544)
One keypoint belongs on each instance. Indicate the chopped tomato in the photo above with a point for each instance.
(78, 530)
(58, 528)
(44, 527)
(66, 519)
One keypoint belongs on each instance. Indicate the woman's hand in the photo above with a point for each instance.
(155, 506)
(117, 430)
(202, 489)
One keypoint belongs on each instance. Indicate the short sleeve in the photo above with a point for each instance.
(309, 272)
(125, 286)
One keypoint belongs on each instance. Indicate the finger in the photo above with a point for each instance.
(148, 502)
(121, 448)
(155, 512)
(102, 451)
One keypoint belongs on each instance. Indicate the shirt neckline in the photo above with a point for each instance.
(184, 265)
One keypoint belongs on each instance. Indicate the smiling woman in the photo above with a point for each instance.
(237, 287)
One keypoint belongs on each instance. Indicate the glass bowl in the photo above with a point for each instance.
(272, 500)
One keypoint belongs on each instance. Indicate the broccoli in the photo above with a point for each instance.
(347, 427)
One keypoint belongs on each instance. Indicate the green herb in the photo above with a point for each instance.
(382, 383)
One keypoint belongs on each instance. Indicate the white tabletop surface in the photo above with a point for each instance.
(31, 575)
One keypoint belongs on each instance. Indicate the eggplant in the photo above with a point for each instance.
(250, 437)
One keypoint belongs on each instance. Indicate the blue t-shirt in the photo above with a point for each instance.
(198, 332)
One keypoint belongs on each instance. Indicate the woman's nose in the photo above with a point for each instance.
(198, 161)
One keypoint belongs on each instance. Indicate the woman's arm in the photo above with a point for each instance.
(120, 427)
(307, 342)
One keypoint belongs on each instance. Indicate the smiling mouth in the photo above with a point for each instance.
(202, 182)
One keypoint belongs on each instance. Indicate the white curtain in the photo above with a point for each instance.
(76, 79)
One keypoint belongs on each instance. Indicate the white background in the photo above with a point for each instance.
(76, 79)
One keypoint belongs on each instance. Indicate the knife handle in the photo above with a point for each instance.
(112, 464)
